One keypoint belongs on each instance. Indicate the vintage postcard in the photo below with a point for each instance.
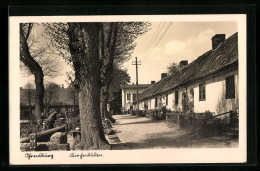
(135, 89)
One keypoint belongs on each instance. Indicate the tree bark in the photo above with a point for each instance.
(35, 69)
(107, 57)
(84, 51)
(92, 135)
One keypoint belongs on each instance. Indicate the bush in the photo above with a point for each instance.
(157, 114)
(141, 113)
(133, 112)
(31, 127)
(208, 114)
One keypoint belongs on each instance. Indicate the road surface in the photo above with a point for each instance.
(143, 133)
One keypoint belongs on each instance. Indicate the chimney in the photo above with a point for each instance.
(217, 39)
(183, 63)
(163, 75)
(152, 82)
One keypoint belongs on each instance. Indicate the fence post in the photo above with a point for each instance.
(33, 142)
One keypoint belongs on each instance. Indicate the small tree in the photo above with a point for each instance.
(34, 67)
(172, 68)
(120, 37)
(38, 59)
(120, 76)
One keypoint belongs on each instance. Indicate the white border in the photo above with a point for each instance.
(189, 155)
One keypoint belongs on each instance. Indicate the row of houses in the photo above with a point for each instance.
(62, 100)
(209, 83)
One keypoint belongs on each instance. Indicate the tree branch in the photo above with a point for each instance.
(29, 31)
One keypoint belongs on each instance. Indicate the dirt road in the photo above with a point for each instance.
(143, 133)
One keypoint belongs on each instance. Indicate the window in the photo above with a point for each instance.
(166, 99)
(230, 87)
(128, 97)
(202, 92)
(134, 97)
(156, 102)
(176, 98)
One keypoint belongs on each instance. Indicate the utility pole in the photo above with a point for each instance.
(136, 63)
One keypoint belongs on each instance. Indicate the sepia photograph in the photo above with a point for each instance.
(94, 87)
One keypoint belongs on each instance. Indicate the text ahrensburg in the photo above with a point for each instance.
(40, 155)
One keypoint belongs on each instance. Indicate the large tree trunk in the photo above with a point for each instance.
(92, 135)
(84, 51)
(35, 69)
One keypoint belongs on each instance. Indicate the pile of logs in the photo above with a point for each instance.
(51, 139)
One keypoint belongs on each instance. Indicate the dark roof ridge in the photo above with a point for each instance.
(215, 60)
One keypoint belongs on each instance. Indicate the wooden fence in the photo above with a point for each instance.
(204, 122)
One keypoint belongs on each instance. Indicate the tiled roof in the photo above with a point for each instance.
(63, 96)
(224, 56)
(133, 86)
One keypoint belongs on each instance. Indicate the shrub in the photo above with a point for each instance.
(31, 127)
(208, 114)
(158, 114)
(133, 112)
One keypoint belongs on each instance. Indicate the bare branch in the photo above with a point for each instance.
(29, 30)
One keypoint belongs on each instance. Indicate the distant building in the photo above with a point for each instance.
(209, 83)
(129, 95)
(62, 101)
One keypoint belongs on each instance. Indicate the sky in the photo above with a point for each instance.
(181, 41)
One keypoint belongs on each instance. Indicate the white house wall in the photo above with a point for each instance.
(153, 103)
(127, 103)
(123, 99)
(215, 102)
(177, 107)
(215, 95)
(170, 101)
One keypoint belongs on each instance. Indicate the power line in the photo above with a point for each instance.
(165, 31)
(155, 37)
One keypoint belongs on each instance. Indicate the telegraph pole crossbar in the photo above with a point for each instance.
(136, 63)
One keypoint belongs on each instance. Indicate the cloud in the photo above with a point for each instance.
(173, 50)
(176, 50)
